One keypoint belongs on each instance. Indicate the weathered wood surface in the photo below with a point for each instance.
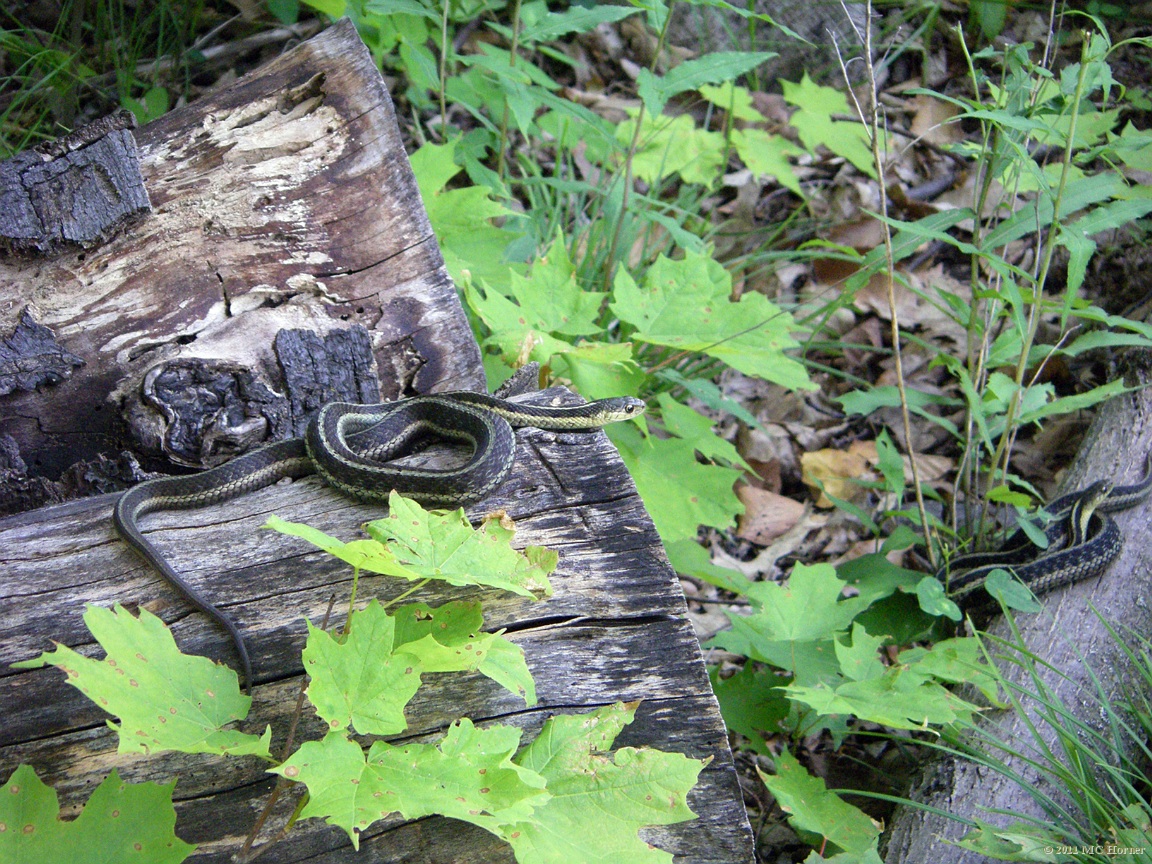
(284, 201)
(1064, 632)
(616, 629)
(73, 191)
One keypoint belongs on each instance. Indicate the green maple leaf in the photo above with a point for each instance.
(686, 305)
(814, 810)
(903, 698)
(367, 680)
(461, 218)
(860, 661)
(547, 300)
(445, 639)
(767, 155)
(808, 607)
(449, 639)
(413, 543)
(361, 682)
(813, 121)
(538, 801)
(674, 145)
(679, 491)
(752, 704)
(686, 423)
(627, 790)
(445, 546)
(795, 625)
(468, 776)
(1019, 841)
(536, 317)
(165, 700)
(737, 101)
(121, 822)
(957, 661)
(598, 370)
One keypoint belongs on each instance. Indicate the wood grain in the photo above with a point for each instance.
(284, 201)
(615, 629)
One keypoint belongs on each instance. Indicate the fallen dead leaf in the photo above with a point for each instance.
(912, 306)
(931, 468)
(862, 233)
(766, 515)
(835, 470)
(867, 547)
(932, 120)
(763, 566)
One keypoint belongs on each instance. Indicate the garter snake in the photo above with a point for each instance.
(349, 445)
(1083, 540)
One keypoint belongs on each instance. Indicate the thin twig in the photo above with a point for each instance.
(247, 853)
(150, 69)
(873, 127)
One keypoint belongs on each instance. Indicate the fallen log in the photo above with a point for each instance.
(288, 261)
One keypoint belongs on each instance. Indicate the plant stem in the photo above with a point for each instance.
(501, 160)
(406, 594)
(873, 125)
(1004, 448)
(444, 69)
(609, 265)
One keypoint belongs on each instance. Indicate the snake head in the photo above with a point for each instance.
(1094, 495)
(620, 408)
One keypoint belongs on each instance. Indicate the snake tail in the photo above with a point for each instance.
(245, 473)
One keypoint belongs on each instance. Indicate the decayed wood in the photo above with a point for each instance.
(284, 201)
(1114, 448)
(616, 629)
(75, 190)
(32, 358)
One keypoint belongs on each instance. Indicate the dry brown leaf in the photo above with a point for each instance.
(773, 107)
(830, 271)
(912, 307)
(867, 332)
(931, 120)
(763, 566)
(766, 515)
(615, 109)
(767, 475)
(931, 467)
(836, 469)
(863, 233)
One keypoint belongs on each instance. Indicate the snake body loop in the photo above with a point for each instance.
(1083, 541)
(349, 446)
